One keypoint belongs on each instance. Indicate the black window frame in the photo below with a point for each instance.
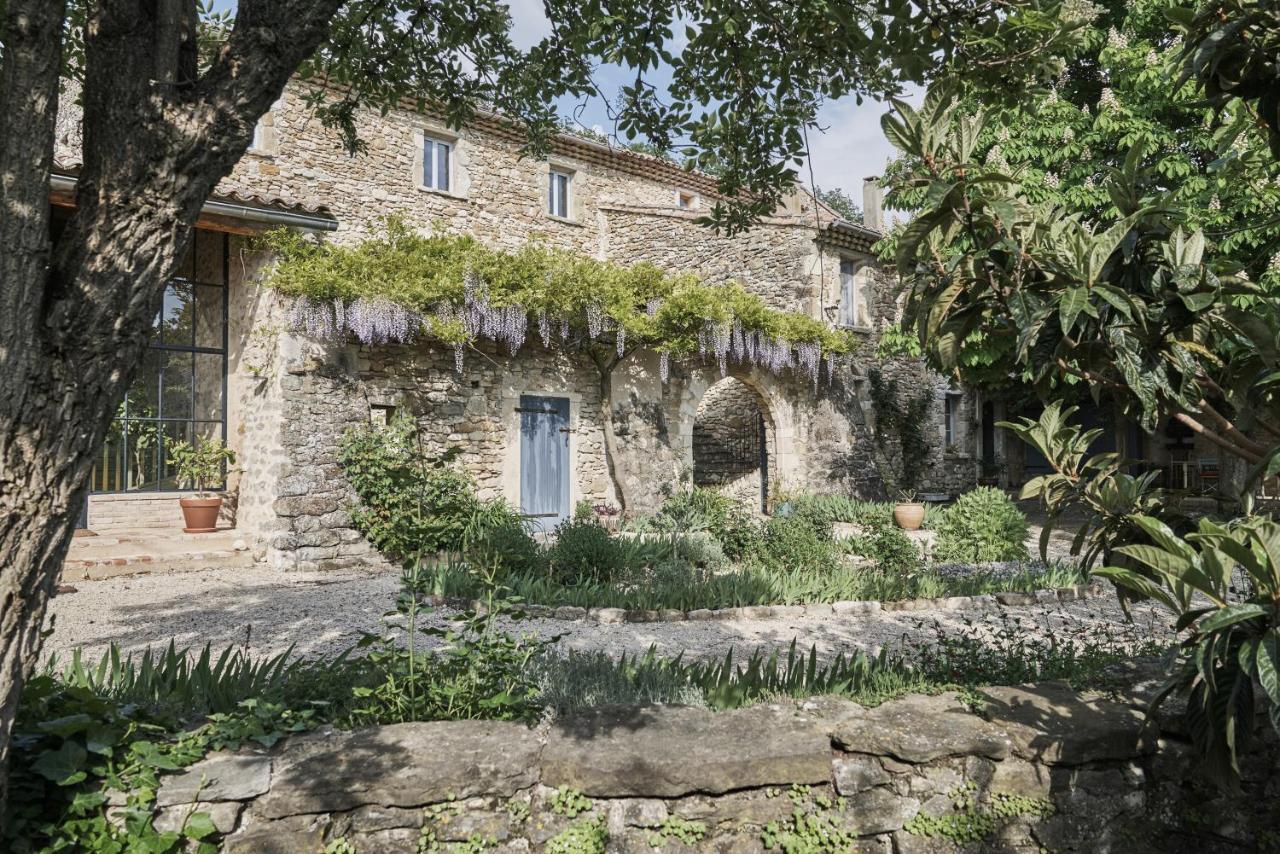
(159, 421)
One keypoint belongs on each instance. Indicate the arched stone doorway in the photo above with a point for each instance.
(733, 443)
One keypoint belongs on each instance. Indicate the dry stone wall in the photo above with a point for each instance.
(1025, 769)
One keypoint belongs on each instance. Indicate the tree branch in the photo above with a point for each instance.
(1221, 442)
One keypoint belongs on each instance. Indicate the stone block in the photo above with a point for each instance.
(402, 765)
(673, 751)
(224, 815)
(854, 607)
(919, 729)
(1015, 599)
(855, 774)
(881, 811)
(570, 613)
(1051, 724)
(221, 777)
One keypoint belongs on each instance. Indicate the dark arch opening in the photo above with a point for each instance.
(731, 443)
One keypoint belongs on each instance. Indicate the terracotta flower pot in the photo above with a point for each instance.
(200, 514)
(909, 515)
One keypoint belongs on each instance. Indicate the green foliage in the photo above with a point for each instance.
(885, 543)
(700, 509)
(480, 671)
(1231, 48)
(200, 466)
(585, 552)
(794, 542)
(411, 502)
(899, 428)
(982, 526)
(816, 826)
(840, 202)
(971, 822)
(584, 837)
(679, 829)
(1142, 307)
(569, 802)
(1119, 90)
(1232, 643)
(427, 274)
(1094, 482)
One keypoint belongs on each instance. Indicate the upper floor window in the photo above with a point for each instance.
(686, 201)
(437, 156)
(853, 309)
(950, 419)
(559, 188)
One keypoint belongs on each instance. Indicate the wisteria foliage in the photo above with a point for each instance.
(405, 286)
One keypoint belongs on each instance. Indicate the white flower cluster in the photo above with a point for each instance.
(1051, 181)
(1117, 40)
(1078, 11)
(1214, 203)
(1108, 100)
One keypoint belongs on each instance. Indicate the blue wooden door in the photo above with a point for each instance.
(544, 460)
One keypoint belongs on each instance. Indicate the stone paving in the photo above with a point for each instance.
(321, 614)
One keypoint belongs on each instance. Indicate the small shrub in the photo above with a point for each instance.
(716, 513)
(702, 550)
(410, 501)
(794, 543)
(585, 552)
(497, 536)
(891, 549)
(984, 525)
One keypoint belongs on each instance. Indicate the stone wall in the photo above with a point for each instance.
(291, 398)
(1027, 769)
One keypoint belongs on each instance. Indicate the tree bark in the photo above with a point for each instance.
(75, 317)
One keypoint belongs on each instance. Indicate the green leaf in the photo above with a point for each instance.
(1268, 665)
(62, 766)
(1229, 616)
(199, 826)
(1073, 302)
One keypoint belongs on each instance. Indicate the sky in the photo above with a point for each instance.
(847, 147)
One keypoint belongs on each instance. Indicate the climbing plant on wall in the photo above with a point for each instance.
(901, 419)
(401, 284)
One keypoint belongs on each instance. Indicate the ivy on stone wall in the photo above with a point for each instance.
(904, 420)
(400, 285)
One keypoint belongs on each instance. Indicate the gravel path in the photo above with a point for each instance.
(324, 614)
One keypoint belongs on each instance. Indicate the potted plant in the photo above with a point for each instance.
(908, 513)
(200, 467)
(608, 516)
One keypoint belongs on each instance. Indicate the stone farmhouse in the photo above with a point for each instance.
(536, 428)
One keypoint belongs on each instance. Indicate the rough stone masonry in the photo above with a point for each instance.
(1024, 769)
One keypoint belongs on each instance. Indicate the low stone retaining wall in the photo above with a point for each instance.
(985, 601)
(1023, 769)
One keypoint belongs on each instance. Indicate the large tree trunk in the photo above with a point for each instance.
(75, 317)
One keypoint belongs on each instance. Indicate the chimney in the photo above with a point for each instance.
(873, 204)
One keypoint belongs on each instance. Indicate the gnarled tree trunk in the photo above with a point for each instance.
(75, 316)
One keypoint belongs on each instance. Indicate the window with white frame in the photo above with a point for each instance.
(437, 160)
(852, 306)
(686, 201)
(559, 189)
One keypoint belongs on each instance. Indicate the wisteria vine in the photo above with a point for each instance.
(407, 286)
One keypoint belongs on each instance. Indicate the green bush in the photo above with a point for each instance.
(983, 525)
(585, 552)
(719, 515)
(498, 536)
(793, 542)
(886, 544)
(409, 499)
(701, 549)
